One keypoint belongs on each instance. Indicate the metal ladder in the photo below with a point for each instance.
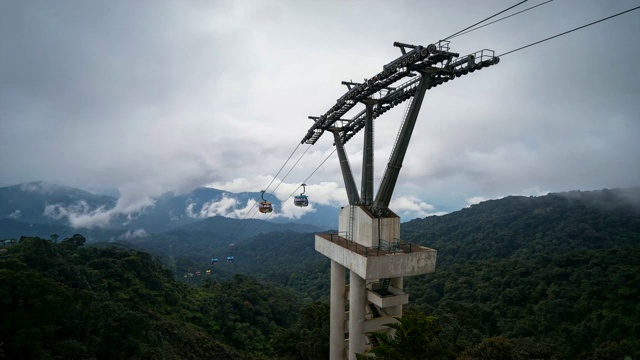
(352, 215)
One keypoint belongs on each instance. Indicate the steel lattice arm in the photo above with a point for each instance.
(434, 61)
(426, 68)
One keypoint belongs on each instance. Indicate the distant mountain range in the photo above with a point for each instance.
(515, 227)
(41, 209)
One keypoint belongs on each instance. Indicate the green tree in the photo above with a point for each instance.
(308, 338)
(497, 348)
(416, 336)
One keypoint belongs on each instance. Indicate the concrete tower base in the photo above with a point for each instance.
(378, 261)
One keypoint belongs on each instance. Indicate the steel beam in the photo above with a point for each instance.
(347, 175)
(383, 197)
(367, 156)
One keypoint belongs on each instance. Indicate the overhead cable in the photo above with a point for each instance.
(480, 22)
(254, 204)
(289, 172)
(305, 180)
(283, 165)
(566, 32)
(503, 18)
(276, 188)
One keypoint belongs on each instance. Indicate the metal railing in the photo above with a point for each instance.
(443, 45)
(385, 247)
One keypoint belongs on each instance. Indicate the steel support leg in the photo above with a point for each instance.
(381, 203)
(349, 183)
(367, 157)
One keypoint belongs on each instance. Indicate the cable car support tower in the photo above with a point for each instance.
(368, 241)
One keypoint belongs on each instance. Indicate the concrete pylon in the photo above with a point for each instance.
(377, 261)
(357, 299)
(337, 307)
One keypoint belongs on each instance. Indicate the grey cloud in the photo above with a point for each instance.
(156, 96)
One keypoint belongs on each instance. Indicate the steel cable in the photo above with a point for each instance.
(480, 22)
(506, 17)
(566, 32)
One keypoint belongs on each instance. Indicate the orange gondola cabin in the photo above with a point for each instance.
(265, 206)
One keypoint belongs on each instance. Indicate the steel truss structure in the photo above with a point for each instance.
(421, 68)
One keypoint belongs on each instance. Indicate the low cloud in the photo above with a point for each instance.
(227, 207)
(533, 191)
(238, 185)
(133, 234)
(411, 207)
(289, 211)
(82, 215)
(79, 214)
(323, 193)
(40, 187)
(608, 199)
(475, 200)
(16, 214)
(327, 193)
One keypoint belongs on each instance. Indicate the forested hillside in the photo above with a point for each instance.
(554, 276)
(558, 274)
(217, 235)
(550, 277)
(68, 301)
(286, 258)
(523, 227)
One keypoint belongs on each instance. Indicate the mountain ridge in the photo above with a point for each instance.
(51, 204)
(590, 219)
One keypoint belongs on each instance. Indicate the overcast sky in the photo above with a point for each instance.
(156, 96)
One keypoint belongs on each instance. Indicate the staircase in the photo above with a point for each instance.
(384, 287)
(374, 311)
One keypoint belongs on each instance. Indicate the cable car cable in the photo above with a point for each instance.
(308, 177)
(283, 165)
(566, 32)
(480, 22)
(236, 229)
(233, 232)
(294, 165)
(281, 181)
(495, 21)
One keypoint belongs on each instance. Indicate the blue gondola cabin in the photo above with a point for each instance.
(301, 201)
